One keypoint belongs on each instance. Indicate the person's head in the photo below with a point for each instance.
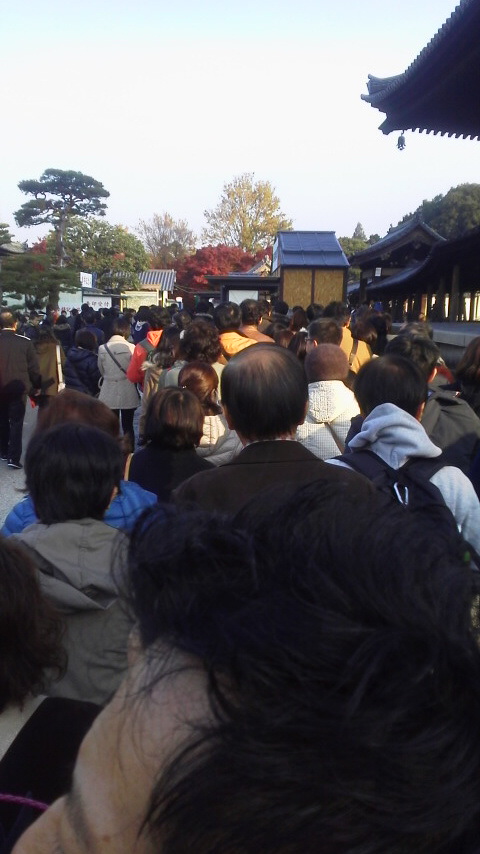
(298, 345)
(174, 419)
(167, 348)
(265, 307)
(264, 392)
(287, 689)
(468, 368)
(227, 317)
(418, 349)
(202, 380)
(417, 327)
(86, 339)
(298, 320)
(338, 311)
(280, 307)
(203, 307)
(121, 326)
(326, 362)
(323, 331)
(89, 316)
(7, 320)
(283, 337)
(200, 342)
(46, 335)
(314, 311)
(31, 629)
(182, 319)
(251, 312)
(160, 318)
(72, 472)
(75, 406)
(391, 379)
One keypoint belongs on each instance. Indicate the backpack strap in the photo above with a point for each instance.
(353, 352)
(114, 359)
(147, 345)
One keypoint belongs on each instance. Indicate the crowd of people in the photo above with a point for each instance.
(254, 609)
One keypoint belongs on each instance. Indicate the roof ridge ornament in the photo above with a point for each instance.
(401, 144)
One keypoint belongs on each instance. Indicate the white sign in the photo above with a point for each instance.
(378, 272)
(86, 280)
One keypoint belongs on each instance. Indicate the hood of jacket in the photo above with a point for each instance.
(328, 400)
(394, 435)
(75, 560)
(78, 355)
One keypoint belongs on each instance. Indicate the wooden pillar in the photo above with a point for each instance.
(454, 294)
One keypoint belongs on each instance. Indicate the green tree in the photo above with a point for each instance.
(359, 233)
(31, 279)
(451, 214)
(59, 196)
(248, 215)
(5, 236)
(95, 246)
(167, 240)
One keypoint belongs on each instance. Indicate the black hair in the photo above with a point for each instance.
(159, 318)
(418, 349)
(338, 310)
(314, 311)
(200, 342)
(325, 331)
(280, 307)
(227, 316)
(86, 339)
(343, 699)
(390, 379)
(265, 391)
(121, 326)
(71, 472)
(251, 312)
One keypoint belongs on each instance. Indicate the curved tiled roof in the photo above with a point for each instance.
(439, 90)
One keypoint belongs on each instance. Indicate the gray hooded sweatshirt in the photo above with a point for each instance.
(74, 560)
(396, 437)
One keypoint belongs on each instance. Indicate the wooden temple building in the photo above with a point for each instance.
(438, 93)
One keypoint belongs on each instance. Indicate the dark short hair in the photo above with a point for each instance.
(71, 472)
(87, 339)
(314, 311)
(251, 312)
(227, 316)
(418, 349)
(31, 629)
(160, 318)
(121, 326)
(390, 379)
(338, 310)
(325, 331)
(265, 391)
(200, 342)
(174, 419)
(280, 307)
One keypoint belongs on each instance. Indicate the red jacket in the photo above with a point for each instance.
(134, 370)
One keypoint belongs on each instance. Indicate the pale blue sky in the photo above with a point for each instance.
(163, 103)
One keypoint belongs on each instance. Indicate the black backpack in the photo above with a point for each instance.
(409, 485)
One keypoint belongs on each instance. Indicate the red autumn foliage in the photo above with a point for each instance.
(213, 261)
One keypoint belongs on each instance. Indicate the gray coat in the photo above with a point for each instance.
(74, 560)
(117, 391)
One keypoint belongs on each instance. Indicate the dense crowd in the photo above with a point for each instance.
(243, 584)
